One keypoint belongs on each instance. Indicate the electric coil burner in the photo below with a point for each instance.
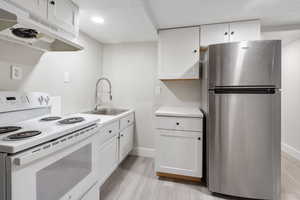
(72, 120)
(23, 135)
(46, 119)
(9, 129)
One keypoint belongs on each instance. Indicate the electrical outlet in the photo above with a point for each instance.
(16, 73)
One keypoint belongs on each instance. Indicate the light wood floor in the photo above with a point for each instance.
(135, 180)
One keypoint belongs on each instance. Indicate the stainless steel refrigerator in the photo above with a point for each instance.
(244, 116)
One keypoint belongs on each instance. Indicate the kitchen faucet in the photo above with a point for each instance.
(96, 95)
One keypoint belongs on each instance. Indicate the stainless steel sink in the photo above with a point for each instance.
(107, 111)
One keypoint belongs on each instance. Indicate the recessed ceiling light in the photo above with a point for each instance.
(97, 20)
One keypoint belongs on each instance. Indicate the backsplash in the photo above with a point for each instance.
(83, 67)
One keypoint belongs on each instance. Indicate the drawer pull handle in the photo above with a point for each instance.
(177, 123)
(122, 135)
(52, 3)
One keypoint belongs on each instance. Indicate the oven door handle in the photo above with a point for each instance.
(54, 146)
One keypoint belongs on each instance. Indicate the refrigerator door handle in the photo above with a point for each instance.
(244, 90)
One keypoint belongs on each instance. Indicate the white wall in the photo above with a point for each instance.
(132, 68)
(291, 98)
(45, 73)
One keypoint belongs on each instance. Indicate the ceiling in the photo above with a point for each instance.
(124, 21)
(172, 13)
(137, 20)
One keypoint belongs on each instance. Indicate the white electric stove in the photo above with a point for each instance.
(44, 157)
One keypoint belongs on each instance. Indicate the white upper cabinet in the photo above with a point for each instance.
(179, 53)
(214, 34)
(240, 31)
(36, 7)
(230, 32)
(64, 13)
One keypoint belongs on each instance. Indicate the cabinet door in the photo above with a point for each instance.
(179, 53)
(179, 152)
(240, 31)
(214, 34)
(126, 142)
(107, 158)
(36, 7)
(64, 14)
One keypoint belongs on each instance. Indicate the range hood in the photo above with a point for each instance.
(19, 27)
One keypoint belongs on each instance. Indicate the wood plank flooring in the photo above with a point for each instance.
(135, 179)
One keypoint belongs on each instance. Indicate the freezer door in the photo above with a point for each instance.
(244, 144)
(248, 63)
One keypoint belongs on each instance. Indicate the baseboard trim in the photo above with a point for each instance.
(143, 152)
(290, 151)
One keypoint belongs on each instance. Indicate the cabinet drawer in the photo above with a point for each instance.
(126, 121)
(180, 123)
(108, 131)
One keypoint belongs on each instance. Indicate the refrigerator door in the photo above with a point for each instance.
(244, 143)
(248, 63)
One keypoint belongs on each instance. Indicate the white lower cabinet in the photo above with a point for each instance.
(179, 147)
(179, 152)
(108, 158)
(115, 142)
(126, 142)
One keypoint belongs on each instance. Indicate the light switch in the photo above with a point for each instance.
(66, 77)
(157, 90)
(16, 73)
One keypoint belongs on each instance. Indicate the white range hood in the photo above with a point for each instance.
(20, 27)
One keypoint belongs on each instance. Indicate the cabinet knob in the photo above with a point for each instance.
(232, 32)
(122, 135)
(52, 3)
(225, 33)
(177, 123)
(195, 51)
(199, 138)
(128, 121)
(110, 131)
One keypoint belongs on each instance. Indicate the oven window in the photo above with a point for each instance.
(57, 179)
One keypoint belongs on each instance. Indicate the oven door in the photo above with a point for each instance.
(66, 174)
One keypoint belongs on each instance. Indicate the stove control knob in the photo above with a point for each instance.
(47, 100)
(41, 99)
